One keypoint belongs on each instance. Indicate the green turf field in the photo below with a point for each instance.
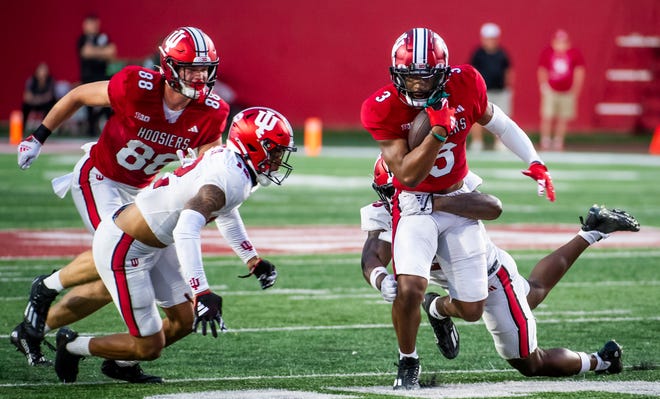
(322, 328)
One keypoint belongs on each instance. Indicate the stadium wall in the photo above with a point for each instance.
(307, 58)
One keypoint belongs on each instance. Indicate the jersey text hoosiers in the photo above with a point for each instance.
(163, 138)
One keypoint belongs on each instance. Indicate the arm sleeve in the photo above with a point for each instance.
(512, 136)
(188, 243)
(233, 230)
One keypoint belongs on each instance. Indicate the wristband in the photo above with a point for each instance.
(42, 133)
(442, 139)
(375, 274)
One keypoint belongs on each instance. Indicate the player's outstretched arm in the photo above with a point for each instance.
(515, 139)
(92, 94)
(474, 205)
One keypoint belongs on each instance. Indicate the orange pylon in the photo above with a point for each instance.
(654, 148)
(313, 136)
(15, 127)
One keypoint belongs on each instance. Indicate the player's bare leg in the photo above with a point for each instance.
(76, 304)
(122, 351)
(556, 362)
(406, 317)
(406, 314)
(562, 362)
(45, 289)
(468, 311)
(559, 362)
(79, 271)
(178, 322)
(599, 223)
(549, 270)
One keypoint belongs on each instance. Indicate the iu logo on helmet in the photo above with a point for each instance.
(174, 39)
(266, 120)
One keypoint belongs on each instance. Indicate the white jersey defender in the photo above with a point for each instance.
(507, 314)
(134, 250)
(162, 203)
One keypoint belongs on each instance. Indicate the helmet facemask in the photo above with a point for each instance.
(435, 78)
(275, 167)
(192, 90)
(385, 193)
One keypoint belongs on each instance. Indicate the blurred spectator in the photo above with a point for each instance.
(495, 66)
(39, 93)
(561, 74)
(95, 50)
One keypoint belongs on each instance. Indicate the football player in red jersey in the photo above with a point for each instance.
(454, 98)
(511, 298)
(149, 252)
(156, 114)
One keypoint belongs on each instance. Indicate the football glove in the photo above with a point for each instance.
(415, 204)
(28, 151)
(442, 115)
(186, 160)
(265, 272)
(388, 288)
(539, 172)
(208, 310)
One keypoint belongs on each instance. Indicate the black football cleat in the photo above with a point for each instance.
(445, 332)
(408, 375)
(608, 221)
(41, 297)
(611, 352)
(28, 346)
(133, 374)
(66, 363)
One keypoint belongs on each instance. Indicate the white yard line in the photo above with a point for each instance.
(289, 329)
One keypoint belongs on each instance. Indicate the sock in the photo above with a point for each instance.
(126, 363)
(602, 364)
(79, 346)
(433, 310)
(414, 355)
(53, 282)
(592, 236)
(586, 362)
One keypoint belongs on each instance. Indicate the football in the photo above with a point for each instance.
(419, 128)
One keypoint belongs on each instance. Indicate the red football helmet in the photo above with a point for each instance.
(188, 47)
(264, 138)
(420, 53)
(382, 183)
